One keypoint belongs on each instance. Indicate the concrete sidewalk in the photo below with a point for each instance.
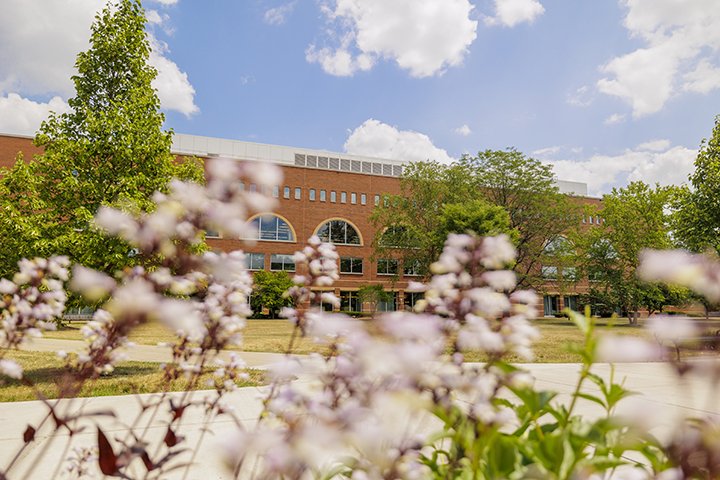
(663, 399)
(148, 353)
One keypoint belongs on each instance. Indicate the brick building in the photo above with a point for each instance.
(331, 195)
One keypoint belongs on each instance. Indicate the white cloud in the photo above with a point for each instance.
(22, 116)
(652, 162)
(464, 130)
(39, 41)
(167, 2)
(582, 97)
(278, 15)
(614, 119)
(513, 12)
(376, 139)
(544, 152)
(681, 38)
(654, 145)
(422, 36)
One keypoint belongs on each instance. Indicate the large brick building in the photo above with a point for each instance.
(331, 195)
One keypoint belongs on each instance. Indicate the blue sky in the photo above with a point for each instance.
(607, 91)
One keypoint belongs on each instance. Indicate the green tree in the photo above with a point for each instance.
(109, 149)
(635, 218)
(526, 189)
(268, 292)
(373, 294)
(696, 223)
(435, 200)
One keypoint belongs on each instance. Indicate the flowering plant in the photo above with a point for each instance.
(392, 397)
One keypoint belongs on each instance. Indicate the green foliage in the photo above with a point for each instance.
(696, 222)
(373, 294)
(436, 200)
(550, 440)
(109, 149)
(525, 188)
(269, 292)
(635, 218)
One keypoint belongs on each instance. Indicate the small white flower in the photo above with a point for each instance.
(626, 349)
(11, 369)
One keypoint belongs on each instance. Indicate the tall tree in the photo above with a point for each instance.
(436, 200)
(697, 219)
(635, 218)
(109, 149)
(526, 189)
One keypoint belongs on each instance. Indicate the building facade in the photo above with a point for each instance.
(331, 195)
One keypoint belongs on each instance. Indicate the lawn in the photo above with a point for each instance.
(273, 336)
(44, 369)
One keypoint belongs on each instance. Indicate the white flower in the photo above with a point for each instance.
(7, 287)
(497, 252)
(116, 222)
(626, 349)
(11, 369)
(666, 327)
(93, 285)
(501, 280)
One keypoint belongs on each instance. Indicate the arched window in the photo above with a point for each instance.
(271, 227)
(557, 246)
(339, 232)
(398, 236)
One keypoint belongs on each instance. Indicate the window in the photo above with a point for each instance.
(298, 193)
(353, 198)
(242, 187)
(387, 266)
(312, 194)
(571, 302)
(286, 192)
(377, 200)
(549, 272)
(212, 234)
(398, 236)
(323, 195)
(339, 232)
(253, 187)
(271, 227)
(255, 261)
(584, 219)
(551, 305)
(333, 196)
(412, 268)
(343, 197)
(351, 265)
(597, 220)
(411, 298)
(276, 191)
(570, 273)
(282, 262)
(557, 246)
(591, 220)
(389, 304)
(363, 199)
(350, 302)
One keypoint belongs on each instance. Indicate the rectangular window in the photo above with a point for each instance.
(549, 272)
(386, 201)
(570, 273)
(211, 234)
(411, 268)
(343, 197)
(282, 262)
(242, 187)
(584, 219)
(551, 305)
(253, 187)
(312, 194)
(286, 192)
(363, 199)
(323, 195)
(377, 200)
(353, 198)
(276, 191)
(298, 193)
(388, 304)
(591, 220)
(571, 302)
(411, 298)
(387, 266)
(351, 265)
(350, 302)
(333, 196)
(255, 261)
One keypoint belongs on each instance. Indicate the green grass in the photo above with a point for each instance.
(273, 336)
(45, 370)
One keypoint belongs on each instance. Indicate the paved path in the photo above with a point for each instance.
(663, 398)
(147, 353)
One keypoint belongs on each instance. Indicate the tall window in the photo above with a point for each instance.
(333, 196)
(388, 305)
(351, 265)
(411, 298)
(286, 192)
(353, 198)
(298, 193)
(312, 194)
(343, 197)
(271, 227)
(387, 266)
(363, 199)
(282, 262)
(339, 232)
(323, 195)
(377, 200)
(276, 191)
(255, 261)
(350, 302)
